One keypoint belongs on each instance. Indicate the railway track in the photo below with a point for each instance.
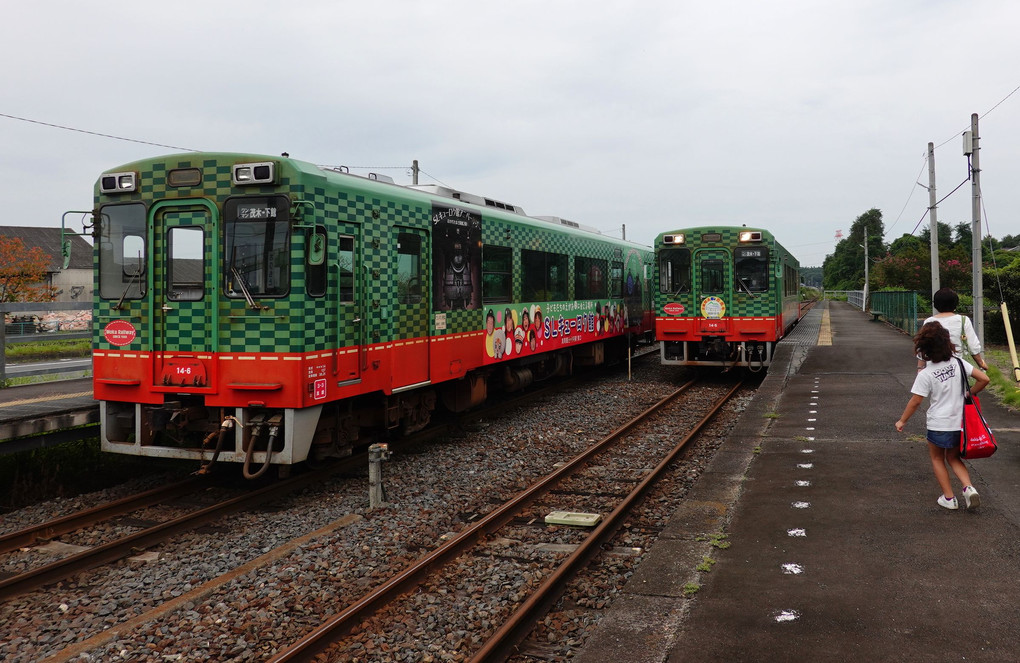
(502, 532)
(153, 534)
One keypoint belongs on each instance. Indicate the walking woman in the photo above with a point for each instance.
(940, 382)
(961, 329)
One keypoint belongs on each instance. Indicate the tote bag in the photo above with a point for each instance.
(976, 439)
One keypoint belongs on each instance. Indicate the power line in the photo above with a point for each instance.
(95, 133)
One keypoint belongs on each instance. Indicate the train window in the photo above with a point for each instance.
(616, 280)
(712, 276)
(315, 275)
(543, 276)
(408, 268)
(186, 263)
(674, 271)
(345, 262)
(589, 278)
(497, 274)
(751, 268)
(257, 246)
(122, 256)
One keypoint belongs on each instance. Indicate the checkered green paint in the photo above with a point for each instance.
(740, 304)
(372, 212)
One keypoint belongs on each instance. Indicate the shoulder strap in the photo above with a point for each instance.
(963, 376)
(963, 333)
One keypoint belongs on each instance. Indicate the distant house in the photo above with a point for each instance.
(73, 284)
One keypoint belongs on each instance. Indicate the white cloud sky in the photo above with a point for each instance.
(794, 115)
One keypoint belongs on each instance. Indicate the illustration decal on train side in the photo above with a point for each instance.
(713, 308)
(518, 330)
(456, 258)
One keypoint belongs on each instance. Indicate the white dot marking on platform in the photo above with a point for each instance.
(805, 466)
(788, 616)
(796, 531)
(802, 484)
(793, 569)
(801, 505)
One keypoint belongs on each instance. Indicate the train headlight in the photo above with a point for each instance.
(750, 236)
(254, 173)
(674, 239)
(118, 183)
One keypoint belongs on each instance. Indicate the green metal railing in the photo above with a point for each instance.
(897, 307)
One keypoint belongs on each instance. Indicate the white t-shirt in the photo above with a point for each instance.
(941, 384)
(956, 324)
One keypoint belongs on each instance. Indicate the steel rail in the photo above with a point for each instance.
(503, 644)
(44, 531)
(142, 539)
(316, 641)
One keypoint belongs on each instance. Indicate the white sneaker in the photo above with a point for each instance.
(948, 504)
(971, 497)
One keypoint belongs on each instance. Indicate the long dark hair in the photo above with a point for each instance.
(932, 343)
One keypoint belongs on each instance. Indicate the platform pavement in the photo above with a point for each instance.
(837, 548)
(43, 407)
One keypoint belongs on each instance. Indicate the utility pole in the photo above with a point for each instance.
(866, 306)
(971, 148)
(414, 172)
(934, 220)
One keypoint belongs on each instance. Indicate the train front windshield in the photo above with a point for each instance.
(675, 271)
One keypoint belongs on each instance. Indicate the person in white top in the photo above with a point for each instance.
(940, 382)
(961, 329)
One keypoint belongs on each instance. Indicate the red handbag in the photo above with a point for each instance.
(976, 439)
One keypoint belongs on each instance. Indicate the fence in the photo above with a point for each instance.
(35, 327)
(897, 307)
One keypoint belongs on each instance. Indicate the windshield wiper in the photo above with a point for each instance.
(743, 285)
(240, 282)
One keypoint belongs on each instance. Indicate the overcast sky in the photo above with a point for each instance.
(798, 116)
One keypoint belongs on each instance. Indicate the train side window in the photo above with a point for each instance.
(345, 266)
(543, 277)
(122, 258)
(675, 271)
(616, 280)
(751, 268)
(589, 278)
(186, 273)
(712, 276)
(408, 268)
(315, 275)
(497, 274)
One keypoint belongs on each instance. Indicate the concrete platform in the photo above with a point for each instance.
(42, 408)
(837, 548)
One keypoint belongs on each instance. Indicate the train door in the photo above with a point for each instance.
(410, 357)
(713, 288)
(184, 293)
(351, 352)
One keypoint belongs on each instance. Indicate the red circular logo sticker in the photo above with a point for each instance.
(119, 332)
(673, 308)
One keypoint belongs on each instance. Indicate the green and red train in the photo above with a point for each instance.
(726, 295)
(264, 310)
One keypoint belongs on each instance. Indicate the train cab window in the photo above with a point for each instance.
(345, 262)
(257, 244)
(674, 271)
(616, 280)
(590, 278)
(186, 267)
(712, 276)
(751, 268)
(409, 267)
(122, 253)
(315, 274)
(543, 276)
(497, 274)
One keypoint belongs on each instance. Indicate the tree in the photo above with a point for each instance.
(22, 269)
(844, 269)
(945, 233)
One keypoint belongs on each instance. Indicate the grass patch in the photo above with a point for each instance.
(691, 588)
(1000, 372)
(70, 348)
(706, 564)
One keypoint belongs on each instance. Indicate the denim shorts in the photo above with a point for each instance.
(945, 439)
